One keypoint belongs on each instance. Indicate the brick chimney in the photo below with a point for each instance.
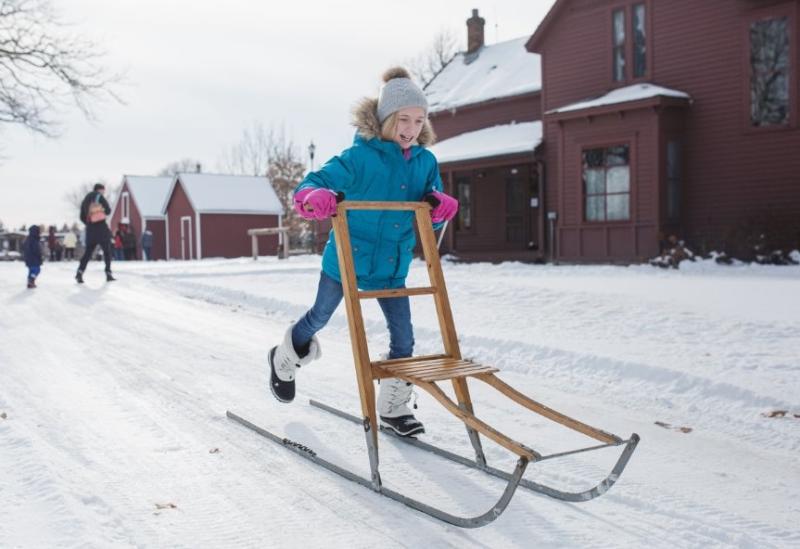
(475, 32)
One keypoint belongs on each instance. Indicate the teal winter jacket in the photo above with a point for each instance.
(374, 169)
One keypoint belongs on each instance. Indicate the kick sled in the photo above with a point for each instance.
(426, 372)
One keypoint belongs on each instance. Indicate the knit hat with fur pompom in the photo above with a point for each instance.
(399, 92)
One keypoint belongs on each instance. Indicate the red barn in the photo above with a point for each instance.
(139, 206)
(670, 117)
(485, 109)
(208, 215)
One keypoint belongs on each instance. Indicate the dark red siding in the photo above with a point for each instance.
(522, 108)
(177, 207)
(737, 179)
(634, 239)
(158, 228)
(225, 235)
(134, 219)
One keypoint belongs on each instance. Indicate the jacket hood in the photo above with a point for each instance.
(33, 230)
(365, 119)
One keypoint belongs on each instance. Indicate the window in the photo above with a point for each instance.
(639, 41)
(674, 175)
(126, 206)
(516, 203)
(618, 45)
(769, 72)
(606, 184)
(629, 55)
(464, 193)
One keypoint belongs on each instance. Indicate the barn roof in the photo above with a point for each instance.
(501, 70)
(219, 193)
(487, 142)
(149, 192)
(636, 92)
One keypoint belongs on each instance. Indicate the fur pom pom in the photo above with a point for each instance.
(395, 72)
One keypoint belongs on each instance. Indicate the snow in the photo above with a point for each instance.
(494, 141)
(500, 70)
(217, 193)
(113, 400)
(149, 193)
(635, 92)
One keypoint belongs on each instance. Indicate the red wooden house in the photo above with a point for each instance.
(139, 205)
(670, 117)
(208, 215)
(485, 109)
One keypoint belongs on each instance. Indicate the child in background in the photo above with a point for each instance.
(32, 252)
(388, 161)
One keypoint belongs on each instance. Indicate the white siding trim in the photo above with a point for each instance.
(199, 236)
(166, 232)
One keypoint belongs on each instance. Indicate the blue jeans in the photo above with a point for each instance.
(396, 310)
(33, 271)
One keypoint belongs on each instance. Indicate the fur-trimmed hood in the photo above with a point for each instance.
(365, 119)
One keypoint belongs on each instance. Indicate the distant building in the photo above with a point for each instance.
(139, 205)
(485, 110)
(670, 117)
(208, 215)
(642, 119)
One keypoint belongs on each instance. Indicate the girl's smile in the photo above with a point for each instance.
(409, 125)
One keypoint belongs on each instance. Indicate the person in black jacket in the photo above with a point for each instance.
(32, 250)
(94, 210)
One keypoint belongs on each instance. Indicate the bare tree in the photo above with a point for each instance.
(44, 68)
(185, 165)
(428, 64)
(75, 197)
(250, 156)
(268, 152)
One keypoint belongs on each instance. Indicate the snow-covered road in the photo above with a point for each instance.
(114, 396)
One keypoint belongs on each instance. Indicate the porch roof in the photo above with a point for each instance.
(628, 94)
(488, 142)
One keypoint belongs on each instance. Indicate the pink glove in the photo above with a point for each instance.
(315, 203)
(447, 208)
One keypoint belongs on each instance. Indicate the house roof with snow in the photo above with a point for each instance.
(501, 70)
(149, 193)
(495, 141)
(628, 94)
(219, 193)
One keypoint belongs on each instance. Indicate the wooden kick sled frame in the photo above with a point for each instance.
(425, 372)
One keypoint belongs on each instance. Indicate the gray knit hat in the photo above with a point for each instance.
(399, 92)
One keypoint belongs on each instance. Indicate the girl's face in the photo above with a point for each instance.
(409, 125)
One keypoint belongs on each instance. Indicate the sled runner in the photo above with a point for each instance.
(426, 372)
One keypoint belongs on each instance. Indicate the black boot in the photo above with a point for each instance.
(109, 277)
(79, 277)
(31, 283)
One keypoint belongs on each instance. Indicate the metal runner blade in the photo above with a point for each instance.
(586, 495)
(463, 522)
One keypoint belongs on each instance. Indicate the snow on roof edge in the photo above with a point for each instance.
(635, 92)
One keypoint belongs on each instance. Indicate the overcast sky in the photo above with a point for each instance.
(199, 72)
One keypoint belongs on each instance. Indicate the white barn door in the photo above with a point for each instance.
(186, 237)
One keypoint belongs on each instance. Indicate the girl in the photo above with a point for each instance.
(387, 162)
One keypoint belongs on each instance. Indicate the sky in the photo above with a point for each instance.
(198, 73)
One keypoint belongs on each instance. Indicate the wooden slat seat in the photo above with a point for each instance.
(430, 369)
